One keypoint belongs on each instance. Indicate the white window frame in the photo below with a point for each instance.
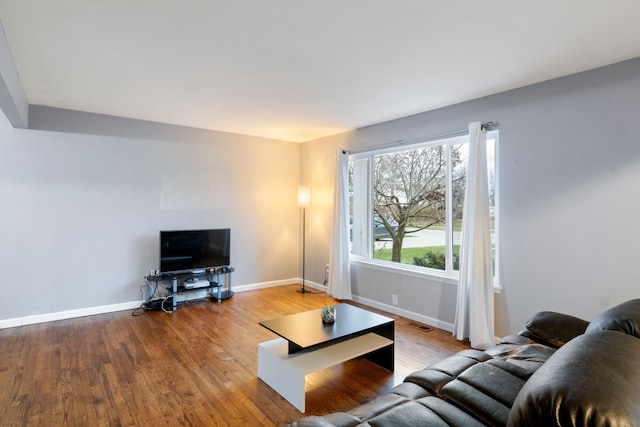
(449, 275)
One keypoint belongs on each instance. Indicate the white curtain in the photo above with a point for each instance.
(474, 312)
(339, 284)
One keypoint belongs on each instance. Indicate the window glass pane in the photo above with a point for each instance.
(492, 171)
(459, 159)
(409, 206)
(358, 205)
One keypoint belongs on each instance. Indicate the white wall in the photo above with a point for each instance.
(83, 197)
(569, 172)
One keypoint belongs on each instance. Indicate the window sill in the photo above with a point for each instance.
(407, 270)
(413, 271)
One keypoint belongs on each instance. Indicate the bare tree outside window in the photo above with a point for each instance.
(410, 190)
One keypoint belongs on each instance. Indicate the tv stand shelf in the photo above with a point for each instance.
(219, 287)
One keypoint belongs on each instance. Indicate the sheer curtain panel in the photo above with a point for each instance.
(339, 284)
(474, 311)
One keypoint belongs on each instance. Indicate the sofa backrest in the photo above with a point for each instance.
(623, 317)
(553, 329)
(593, 380)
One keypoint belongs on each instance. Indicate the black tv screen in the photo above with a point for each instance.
(194, 251)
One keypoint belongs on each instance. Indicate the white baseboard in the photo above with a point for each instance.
(405, 313)
(263, 285)
(67, 314)
(89, 311)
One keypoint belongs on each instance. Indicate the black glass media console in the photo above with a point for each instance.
(217, 281)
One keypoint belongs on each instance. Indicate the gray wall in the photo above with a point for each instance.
(83, 197)
(569, 162)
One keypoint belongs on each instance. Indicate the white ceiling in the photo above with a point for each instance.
(301, 69)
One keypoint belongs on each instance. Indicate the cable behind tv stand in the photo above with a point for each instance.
(216, 280)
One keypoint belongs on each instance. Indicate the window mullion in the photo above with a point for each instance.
(370, 178)
(448, 213)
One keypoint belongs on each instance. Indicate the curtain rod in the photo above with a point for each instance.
(486, 126)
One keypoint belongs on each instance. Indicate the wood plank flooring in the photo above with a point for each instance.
(196, 366)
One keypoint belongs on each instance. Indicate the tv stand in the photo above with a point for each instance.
(219, 285)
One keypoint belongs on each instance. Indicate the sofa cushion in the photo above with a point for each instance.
(492, 380)
(435, 376)
(522, 352)
(452, 415)
(554, 329)
(486, 390)
(623, 317)
(409, 414)
(585, 383)
(480, 385)
(336, 419)
(507, 345)
(474, 402)
(410, 390)
(378, 405)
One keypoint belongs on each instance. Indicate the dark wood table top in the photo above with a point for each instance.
(306, 329)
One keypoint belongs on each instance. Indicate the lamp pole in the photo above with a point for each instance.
(304, 199)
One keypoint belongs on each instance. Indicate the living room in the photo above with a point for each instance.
(85, 194)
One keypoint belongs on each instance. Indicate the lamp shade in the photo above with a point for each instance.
(304, 195)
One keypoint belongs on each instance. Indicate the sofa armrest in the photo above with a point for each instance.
(594, 380)
(553, 329)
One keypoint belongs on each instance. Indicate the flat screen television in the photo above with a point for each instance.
(194, 251)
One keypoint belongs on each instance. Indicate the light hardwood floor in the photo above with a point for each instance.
(196, 366)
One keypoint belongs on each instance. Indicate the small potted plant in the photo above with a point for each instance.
(328, 314)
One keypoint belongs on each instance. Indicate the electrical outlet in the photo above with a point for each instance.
(394, 299)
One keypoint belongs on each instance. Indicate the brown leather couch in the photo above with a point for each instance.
(558, 371)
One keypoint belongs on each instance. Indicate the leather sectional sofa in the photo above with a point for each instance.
(558, 371)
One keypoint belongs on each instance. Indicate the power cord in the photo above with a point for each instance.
(154, 295)
(140, 310)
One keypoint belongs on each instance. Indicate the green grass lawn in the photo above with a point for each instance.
(408, 254)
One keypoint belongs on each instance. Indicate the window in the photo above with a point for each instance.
(406, 203)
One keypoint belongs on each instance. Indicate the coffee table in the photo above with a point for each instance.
(308, 345)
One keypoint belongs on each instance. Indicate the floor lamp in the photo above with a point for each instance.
(304, 199)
